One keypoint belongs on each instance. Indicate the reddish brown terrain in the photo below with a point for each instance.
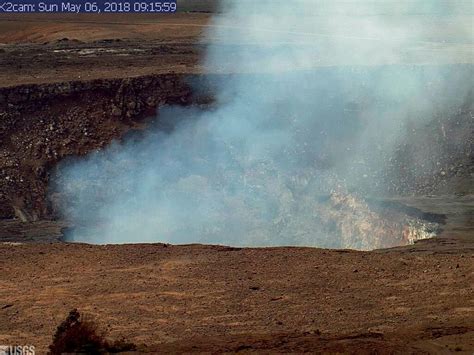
(202, 298)
(69, 86)
(39, 49)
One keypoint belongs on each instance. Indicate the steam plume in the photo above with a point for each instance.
(321, 95)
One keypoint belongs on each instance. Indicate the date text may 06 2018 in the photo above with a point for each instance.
(141, 6)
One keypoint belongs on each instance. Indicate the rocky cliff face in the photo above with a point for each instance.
(42, 124)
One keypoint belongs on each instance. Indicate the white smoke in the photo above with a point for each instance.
(320, 94)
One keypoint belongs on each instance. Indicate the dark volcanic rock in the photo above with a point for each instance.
(41, 124)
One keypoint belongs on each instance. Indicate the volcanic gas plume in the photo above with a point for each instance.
(315, 98)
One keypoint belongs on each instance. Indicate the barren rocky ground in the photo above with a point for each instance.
(202, 298)
(68, 88)
(71, 86)
(62, 48)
